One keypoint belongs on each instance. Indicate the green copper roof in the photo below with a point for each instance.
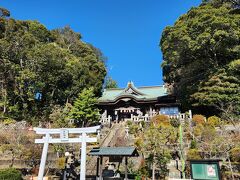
(114, 151)
(140, 93)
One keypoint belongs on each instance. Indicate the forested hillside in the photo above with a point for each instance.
(201, 54)
(42, 69)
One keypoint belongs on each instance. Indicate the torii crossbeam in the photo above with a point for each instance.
(63, 138)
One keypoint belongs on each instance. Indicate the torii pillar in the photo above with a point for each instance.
(63, 133)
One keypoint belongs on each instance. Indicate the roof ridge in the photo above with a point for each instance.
(151, 86)
(114, 89)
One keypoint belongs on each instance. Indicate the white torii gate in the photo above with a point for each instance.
(63, 138)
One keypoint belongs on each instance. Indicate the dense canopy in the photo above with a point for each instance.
(41, 68)
(201, 55)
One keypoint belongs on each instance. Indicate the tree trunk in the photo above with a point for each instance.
(12, 160)
(4, 92)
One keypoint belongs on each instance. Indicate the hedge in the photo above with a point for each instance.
(10, 174)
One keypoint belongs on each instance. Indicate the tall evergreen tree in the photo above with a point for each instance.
(84, 111)
(110, 83)
(41, 68)
(200, 47)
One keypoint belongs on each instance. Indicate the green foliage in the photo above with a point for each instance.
(193, 144)
(4, 12)
(8, 121)
(133, 128)
(84, 110)
(129, 123)
(10, 174)
(220, 90)
(110, 83)
(208, 133)
(218, 3)
(162, 160)
(213, 121)
(39, 31)
(201, 56)
(57, 64)
(197, 131)
(136, 128)
(143, 170)
(152, 142)
(234, 67)
(59, 116)
(193, 154)
(235, 154)
(175, 122)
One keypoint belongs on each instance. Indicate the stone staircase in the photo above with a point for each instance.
(116, 132)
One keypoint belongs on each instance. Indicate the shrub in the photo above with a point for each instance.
(9, 121)
(129, 123)
(143, 170)
(175, 122)
(193, 144)
(160, 119)
(197, 131)
(193, 154)
(209, 134)
(235, 154)
(213, 121)
(10, 174)
(142, 124)
(61, 163)
(59, 116)
(199, 119)
(133, 129)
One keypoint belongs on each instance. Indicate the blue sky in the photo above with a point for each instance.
(126, 31)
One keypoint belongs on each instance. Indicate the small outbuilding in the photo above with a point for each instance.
(115, 154)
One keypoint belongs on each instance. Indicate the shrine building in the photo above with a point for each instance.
(136, 103)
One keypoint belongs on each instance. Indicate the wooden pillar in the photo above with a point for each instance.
(100, 168)
(97, 170)
(126, 163)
